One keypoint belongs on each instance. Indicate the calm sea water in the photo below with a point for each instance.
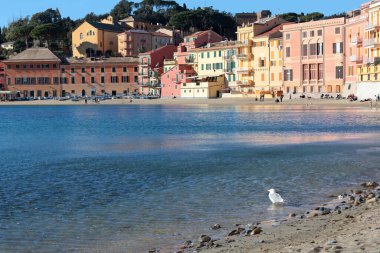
(128, 178)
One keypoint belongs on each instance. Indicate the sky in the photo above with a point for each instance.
(11, 10)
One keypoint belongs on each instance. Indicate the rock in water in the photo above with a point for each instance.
(256, 231)
(204, 238)
(370, 184)
(216, 227)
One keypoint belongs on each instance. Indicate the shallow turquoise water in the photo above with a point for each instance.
(125, 179)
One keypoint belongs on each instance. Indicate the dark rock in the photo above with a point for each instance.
(370, 184)
(349, 216)
(216, 227)
(204, 238)
(316, 249)
(240, 230)
(229, 240)
(291, 215)
(326, 211)
(187, 244)
(233, 232)
(358, 192)
(154, 250)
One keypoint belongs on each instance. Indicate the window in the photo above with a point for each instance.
(125, 79)
(83, 70)
(350, 70)
(208, 54)
(114, 79)
(280, 76)
(202, 55)
(72, 70)
(313, 72)
(305, 72)
(288, 75)
(313, 49)
(319, 32)
(31, 66)
(262, 62)
(102, 69)
(304, 35)
(311, 33)
(304, 50)
(81, 36)
(92, 70)
(320, 71)
(102, 79)
(17, 66)
(337, 30)
(124, 69)
(338, 48)
(320, 48)
(92, 79)
(63, 70)
(287, 36)
(113, 69)
(339, 72)
(73, 80)
(272, 76)
(83, 79)
(262, 77)
(287, 51)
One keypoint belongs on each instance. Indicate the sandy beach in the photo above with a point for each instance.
(351, 224)
(222, 101)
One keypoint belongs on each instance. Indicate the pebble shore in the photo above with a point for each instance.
(348, 223)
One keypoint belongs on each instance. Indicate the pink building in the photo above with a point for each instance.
(134, 41)
(314, 57)
(172, 79)
(2, 76)
(151, 67)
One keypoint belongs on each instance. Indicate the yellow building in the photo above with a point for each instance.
(267, 62)
(248, 61)
(92, 39)
(370, 69)
(217, 59)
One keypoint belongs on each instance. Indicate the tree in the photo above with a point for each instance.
(19, 30)
(49, 16)
(46, 32)
(122, 10)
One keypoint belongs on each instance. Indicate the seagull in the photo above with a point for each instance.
(275, 197)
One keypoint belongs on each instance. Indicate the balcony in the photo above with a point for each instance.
(356, 41)
(355, 58)
(170, 62)
(371, 26)
(244, 70)
(372, 42)
(374, 60)
(229, 71)
(175, 80)
(243, 56)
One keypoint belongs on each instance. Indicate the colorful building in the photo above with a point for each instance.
(245, 56)
(133, 42)
(93, 39)
(354, 50)
(174, 77)
(37, 72)
(89, 77)
(151, 67)
(368, 72)
(268, 62)
(314, 57)
(217, 59)
(207, 87)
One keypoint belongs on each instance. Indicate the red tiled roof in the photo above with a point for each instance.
(273, 30)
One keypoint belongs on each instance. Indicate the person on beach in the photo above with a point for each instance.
(281, 97)
(85, 101)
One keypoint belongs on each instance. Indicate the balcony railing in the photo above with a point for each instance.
(371, 42)
(371, 26)
(242, 56)
(229, 70)
(244, 70)
(374, 60)
(356, 40)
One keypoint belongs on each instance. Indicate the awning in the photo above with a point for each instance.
(8, 92)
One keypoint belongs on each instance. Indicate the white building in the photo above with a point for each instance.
(210, 87)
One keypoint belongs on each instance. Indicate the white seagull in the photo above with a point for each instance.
(275, 197)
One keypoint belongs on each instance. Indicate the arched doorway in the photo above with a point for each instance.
(83, 93)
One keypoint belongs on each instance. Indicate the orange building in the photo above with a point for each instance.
(37, 72)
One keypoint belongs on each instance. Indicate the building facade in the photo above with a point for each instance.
(173, 78)
(151, 67)
(93, 39)
(37, 72)
(314, 57)
(354, 50)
